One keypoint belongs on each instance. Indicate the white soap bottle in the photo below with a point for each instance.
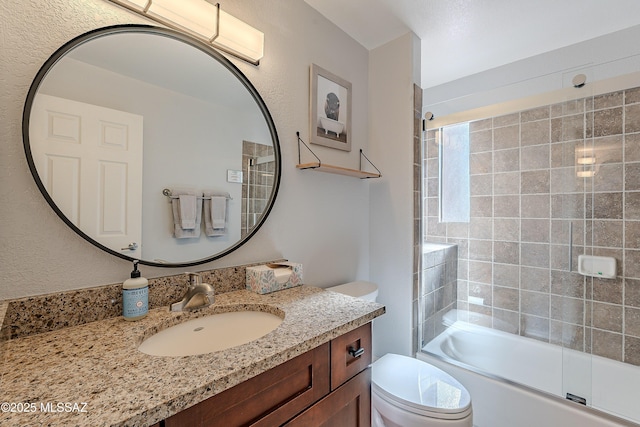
(135, 295)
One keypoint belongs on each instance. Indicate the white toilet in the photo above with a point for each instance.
(407, 392)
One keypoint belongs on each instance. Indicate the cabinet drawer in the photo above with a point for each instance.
(269, 399)
(350, 354)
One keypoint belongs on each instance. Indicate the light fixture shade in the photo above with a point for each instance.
(136, 4)
(195, 16)
(205, 21)
(239, 37)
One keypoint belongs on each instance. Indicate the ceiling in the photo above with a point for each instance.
(464, 37)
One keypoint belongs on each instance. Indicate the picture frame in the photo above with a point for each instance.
(329, 110)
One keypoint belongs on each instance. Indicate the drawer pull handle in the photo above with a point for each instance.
(356, 353)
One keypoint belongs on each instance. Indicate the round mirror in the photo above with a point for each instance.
(151, 145)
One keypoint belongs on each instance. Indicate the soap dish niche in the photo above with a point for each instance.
(597, 266)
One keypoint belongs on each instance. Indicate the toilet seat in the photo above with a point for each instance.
(419, 388)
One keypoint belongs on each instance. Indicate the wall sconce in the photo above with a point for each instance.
(205, 21)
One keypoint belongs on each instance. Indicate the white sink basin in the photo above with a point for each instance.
(210, 333)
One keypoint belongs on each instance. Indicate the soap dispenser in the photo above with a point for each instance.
(135, 295)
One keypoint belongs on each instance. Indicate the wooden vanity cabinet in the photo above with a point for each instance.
(328, 385)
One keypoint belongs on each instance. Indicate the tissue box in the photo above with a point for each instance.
(264, 279)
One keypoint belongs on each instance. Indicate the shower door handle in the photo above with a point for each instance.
(570, 246)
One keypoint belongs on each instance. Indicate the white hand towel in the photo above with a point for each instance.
(219, 200)
(188, 211)
(218, 212)
(178, 231)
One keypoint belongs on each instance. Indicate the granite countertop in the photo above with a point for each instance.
(93, 374)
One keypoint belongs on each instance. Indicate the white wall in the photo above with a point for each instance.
(320, 220)
(392, 76)
(601, 58)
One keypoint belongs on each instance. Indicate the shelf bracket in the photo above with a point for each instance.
(370, 162)
(310, 150)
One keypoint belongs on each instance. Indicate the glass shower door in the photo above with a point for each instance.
(572, 204)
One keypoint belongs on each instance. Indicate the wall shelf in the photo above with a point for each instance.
(321, 167)
(338, 170)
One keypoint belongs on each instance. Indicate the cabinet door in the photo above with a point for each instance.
(348, 406)
(270, 399)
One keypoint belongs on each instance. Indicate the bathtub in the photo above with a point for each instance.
(330, 125)
(517, 381)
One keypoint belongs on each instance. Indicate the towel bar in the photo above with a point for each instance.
(167, 193)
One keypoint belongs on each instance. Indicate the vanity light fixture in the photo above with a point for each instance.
(205, 21)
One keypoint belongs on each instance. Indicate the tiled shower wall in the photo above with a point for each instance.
(439, 288)
(417, 218)
(257, 185)
(514, 272)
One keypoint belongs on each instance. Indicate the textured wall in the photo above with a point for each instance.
(392, 197)
(320, 220)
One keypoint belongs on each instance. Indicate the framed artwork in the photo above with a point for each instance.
(330, 110)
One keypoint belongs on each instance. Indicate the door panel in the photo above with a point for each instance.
(90, 161)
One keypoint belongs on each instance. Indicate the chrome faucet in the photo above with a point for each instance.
(198, 295)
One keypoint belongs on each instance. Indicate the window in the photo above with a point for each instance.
(454, 173)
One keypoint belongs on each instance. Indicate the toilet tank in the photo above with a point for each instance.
(364, 290)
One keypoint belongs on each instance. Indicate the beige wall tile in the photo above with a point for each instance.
(535, 255)
(535, 279)
(507, 229)
(534, 133)
(506, 183)
(480, 250)
(506, 206)
(606, 344)
(632, 350)
(607, 317)
(506, 298)
(632, 147)
(535, 206)
(506, 137)
(508, 275)
(604, 122)
(480, 163)
(631, 292)
(535, 230)
(632, 118)
(506, 160)
(480, 141)
(506, 252)
(632, 321)
(535, 182)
